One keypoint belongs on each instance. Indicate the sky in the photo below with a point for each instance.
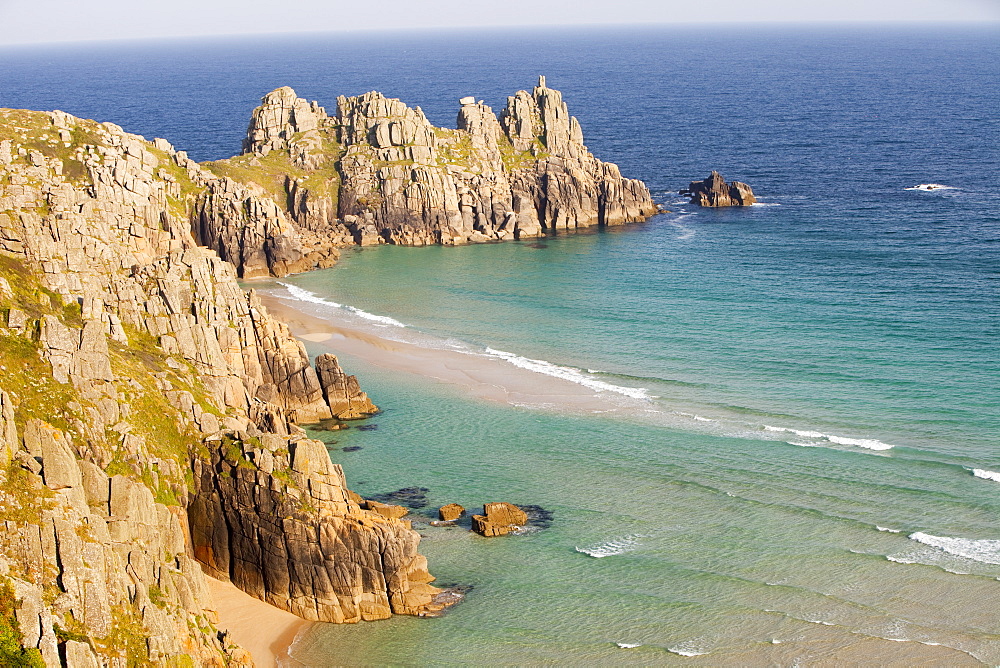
(40, 21)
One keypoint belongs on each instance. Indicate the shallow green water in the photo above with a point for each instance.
(716, 545)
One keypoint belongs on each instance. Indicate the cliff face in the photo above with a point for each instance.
(379, 172)
(148, 410)
(149, 405)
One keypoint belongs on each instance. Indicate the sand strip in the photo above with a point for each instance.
(482, 377)
(262, 629)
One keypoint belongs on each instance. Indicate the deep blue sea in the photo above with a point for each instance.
(792, 451)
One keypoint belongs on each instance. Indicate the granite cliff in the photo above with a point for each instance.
(149, 411)
(150, 406)
(377, 171)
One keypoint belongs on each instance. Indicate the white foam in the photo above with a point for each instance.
(803, 445)
(982, 550)
(868, 443)
(306, 296)
(686, 649)
(901, 559)
(931, 186)
(685, 232)
(888, 530)
(765, 204)
(566, 373)
(613, 547)
(629, 645)
(703, 419)
(986, 475)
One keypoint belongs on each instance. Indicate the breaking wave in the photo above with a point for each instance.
(986, 475)
(867, 443)
(306, 296)
(567, 373)
(613, 547)
(984, 551)
(931, 186)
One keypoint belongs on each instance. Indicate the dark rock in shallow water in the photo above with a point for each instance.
(411, 497)
(715, 192)
(329, 424)
(367, 427)
(537, 516)
(351, 448)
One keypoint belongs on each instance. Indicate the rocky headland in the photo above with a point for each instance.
(377, 171)
(150, 406)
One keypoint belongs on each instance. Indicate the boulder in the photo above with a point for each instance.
(715, 192)
(387, 510)
(450, 512)
(500, 519)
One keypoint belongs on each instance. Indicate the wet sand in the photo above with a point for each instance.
(262, 629)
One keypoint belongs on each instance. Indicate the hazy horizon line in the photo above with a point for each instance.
(746, 24)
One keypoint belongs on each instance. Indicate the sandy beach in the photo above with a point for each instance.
(482, 377)
(262, 629)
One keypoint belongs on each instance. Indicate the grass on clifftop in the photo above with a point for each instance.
(269, 172)
(34, 131)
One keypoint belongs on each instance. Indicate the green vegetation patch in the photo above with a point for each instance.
(12, 650)
(269, 171)
(520, 159)
(22, 496)
(34, 131)
(127, 638)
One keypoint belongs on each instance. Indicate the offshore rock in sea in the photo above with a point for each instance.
(450, 512)
(715, 192)
(500, 519)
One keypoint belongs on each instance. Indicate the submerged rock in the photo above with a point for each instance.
(411, 497)
(715, 192)
(538, 516)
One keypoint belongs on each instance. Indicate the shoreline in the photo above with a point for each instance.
(260, 628)
(482, 377)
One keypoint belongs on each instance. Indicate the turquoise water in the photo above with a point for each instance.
(795, 399)
(719, 535)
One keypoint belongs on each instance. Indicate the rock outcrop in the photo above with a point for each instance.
(99, 567)
(274, 516)
(149, 410)
(342, 392)
(499, 520)
(450, 512)
(714, 192)
(379, 172)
